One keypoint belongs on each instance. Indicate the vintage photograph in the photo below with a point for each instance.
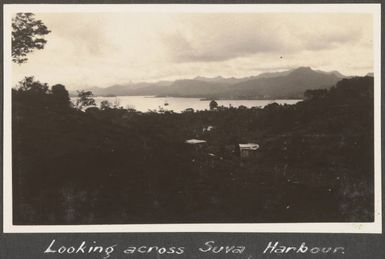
(191, 115)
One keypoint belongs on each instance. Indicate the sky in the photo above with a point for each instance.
(87, 50)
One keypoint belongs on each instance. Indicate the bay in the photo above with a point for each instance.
(179, 104)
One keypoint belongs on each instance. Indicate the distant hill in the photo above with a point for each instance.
(125, 89)
(220, 80)
(290, 84)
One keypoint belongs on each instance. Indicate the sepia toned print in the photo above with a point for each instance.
(188, 118)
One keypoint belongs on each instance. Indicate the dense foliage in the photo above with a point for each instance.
(27, 35)
(114, 165)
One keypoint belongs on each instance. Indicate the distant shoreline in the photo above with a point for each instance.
(198, 97)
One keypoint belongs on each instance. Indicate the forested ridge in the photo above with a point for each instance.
(116, 165)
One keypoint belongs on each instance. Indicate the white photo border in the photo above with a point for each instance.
(351, 227)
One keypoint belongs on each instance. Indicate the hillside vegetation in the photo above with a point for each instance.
(112, 165)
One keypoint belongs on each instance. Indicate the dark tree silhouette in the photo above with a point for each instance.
(105, 105)
(27, 35)
(60, 95)
(36, 93)
(29, 85)
(213, 105)
(33, 93)
(84, 99)
(315, 94)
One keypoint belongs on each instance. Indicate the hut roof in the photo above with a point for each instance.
(195, 141)
(250, 146)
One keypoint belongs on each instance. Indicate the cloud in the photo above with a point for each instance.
(218, 48)
(82, 33)
(101, 49)
(222, 37)
(328, 37)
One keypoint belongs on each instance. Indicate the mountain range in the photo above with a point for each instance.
(290, 84)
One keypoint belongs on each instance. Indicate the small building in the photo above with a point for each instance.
(195, 141)
(248, 150)
(198, 145)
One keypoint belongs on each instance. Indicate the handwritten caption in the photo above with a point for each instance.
(208, 247)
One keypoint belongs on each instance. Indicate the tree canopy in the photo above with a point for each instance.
(213, 105)
(85, 99)
(34, 93)
(60, 95)
(27, 35)
(30, 85)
